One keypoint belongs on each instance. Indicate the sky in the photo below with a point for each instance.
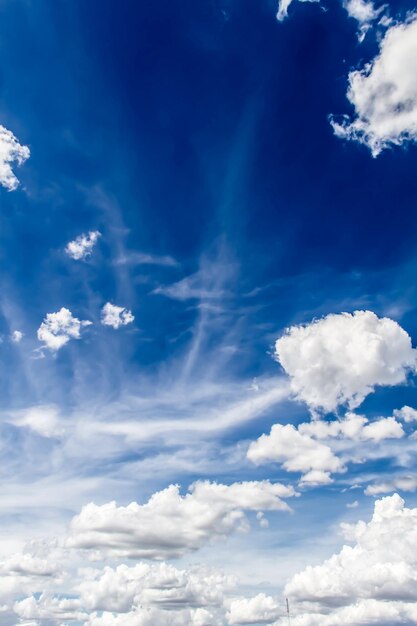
(208, 313)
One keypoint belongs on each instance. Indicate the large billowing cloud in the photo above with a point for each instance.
(384, 93)
(169, 524)
(10, 152)
(308, 448)
(58, 328)
(373, 581)
(339, 359)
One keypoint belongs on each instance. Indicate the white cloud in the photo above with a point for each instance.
(339, 359)
(42, 420)
(119, 589)
(384, 93)
(297, 453)
(169, 524)
(308, 448)
(83, 245)
(58, 328)
(155, 617)
(406, 413)
(116, 316)
(16, 336)
(373, 581)
(403, 483)
(260, 609)
(364, 13)
(10, 151)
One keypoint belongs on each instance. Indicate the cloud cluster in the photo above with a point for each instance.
(373, 581)
(384, 93)
(260, 609)
(302, 449)
(116, 316)
(169, 524)
(83, 245)
(339, 359)
(364, 13)
(402, 483)
(58, 328)
(11, 151)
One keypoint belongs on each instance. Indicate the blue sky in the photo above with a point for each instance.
(228, 178)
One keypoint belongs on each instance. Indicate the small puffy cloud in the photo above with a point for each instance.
(384, 93)
(406, 414)
(402, 483)
(83, 245)
(364, 13)
(16, 336)
(116, 316)
(339, 359)
(169, 524)
(260, 609)
(355, 427)
(58, 328)
(374, 581)
(10, 151)
(297, 453)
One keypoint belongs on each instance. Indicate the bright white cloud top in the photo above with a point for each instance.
(372, 582)
(116, 316)
(83, 245)
(384, 93)
(340, 359)
(58, 328)
(170, 525)
(11, 151)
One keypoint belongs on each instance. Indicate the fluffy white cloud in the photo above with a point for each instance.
(10, 151)
(384, 93)
(83, 245)
(116, 316)
(16, 336)
(364, 13)
(58, 328)
(339, 359)
(42, 420)
(297, 452)
(170, 524)
(308, 448)
(260, 609)
(407, 414)
(48, 608)
(161, 585)
(403, 483)
(375, 580)
(155, 617)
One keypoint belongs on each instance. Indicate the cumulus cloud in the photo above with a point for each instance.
(119, 589)
(58, 328)
(407, 414)
(116, 316)
(308, 448)
(372, 581)
(169, 524)
(83, 245)
(402, 483)
(260, 609)
(339, 359)
(155, 617)
(384, 93)
(10, 152)
(297, 452)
